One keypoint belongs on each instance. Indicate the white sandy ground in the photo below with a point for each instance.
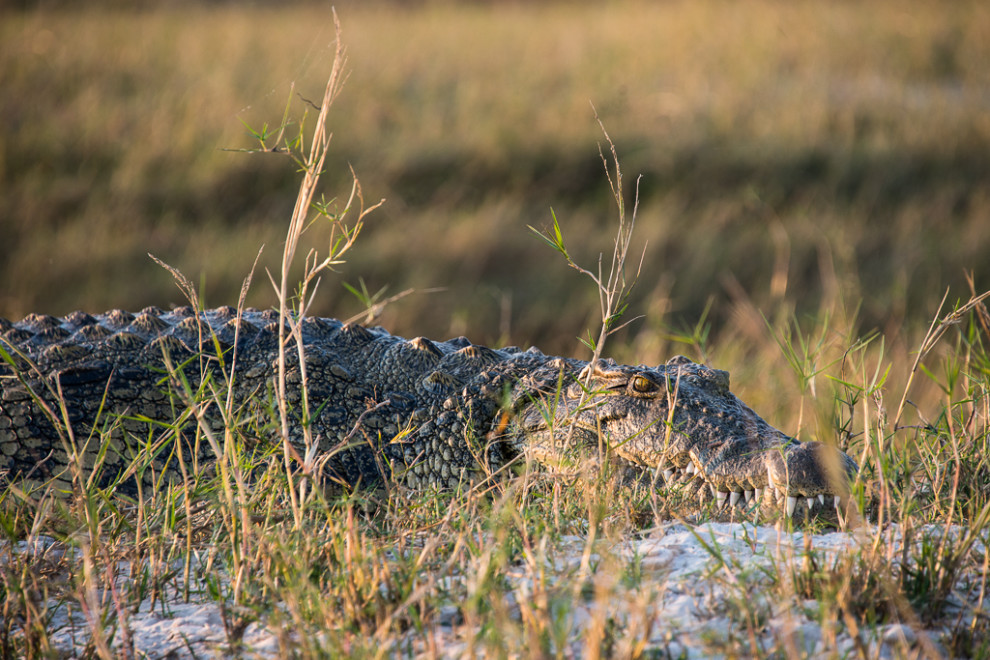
(685, 603)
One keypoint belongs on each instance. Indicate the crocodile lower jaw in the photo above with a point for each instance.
(766, 495)
(778, 497)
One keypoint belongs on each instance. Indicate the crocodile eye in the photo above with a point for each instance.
(642, 384)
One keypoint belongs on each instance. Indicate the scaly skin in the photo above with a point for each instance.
(426, 413)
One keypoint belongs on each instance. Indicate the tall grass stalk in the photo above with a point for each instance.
(613, 288)
(292, 309)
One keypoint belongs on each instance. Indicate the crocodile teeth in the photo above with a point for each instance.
(821, 499)
(668, 475)
(734, 497)
(720, 496)
(758, 493)
(689, 469)
(749, 496)
(791, 505)
(810, 502)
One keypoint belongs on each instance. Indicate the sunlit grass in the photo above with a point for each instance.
(841, 143)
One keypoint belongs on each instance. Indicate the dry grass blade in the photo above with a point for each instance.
(312, 162)
(936, 331)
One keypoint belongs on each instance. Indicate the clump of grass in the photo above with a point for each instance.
(919, 557)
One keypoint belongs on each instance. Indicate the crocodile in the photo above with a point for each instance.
(87, 395)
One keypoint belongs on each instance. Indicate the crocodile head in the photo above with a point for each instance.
(680, 422)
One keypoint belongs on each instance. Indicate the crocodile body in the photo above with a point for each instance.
(83, 390)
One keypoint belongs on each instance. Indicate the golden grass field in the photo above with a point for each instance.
(788, 150)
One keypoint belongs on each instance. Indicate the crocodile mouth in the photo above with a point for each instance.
(752, 497)
(773, 489)
(772, 493)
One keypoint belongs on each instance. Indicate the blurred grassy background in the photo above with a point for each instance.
(796, 156)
